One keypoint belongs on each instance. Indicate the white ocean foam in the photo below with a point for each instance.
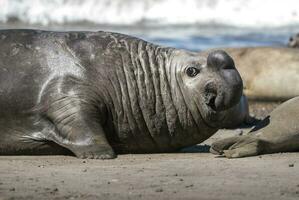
(244, 13)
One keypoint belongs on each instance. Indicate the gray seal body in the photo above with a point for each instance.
(95, 94)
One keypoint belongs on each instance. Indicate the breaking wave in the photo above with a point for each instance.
(241, 13)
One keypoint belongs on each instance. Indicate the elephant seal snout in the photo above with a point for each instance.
(214, 85)
(230, 89)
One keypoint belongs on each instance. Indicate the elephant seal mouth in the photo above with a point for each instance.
(216, 103)
(212, 115)
(214, 118)
(210, 101)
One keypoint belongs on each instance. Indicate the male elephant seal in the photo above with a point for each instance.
(279, 132)
(97, 93)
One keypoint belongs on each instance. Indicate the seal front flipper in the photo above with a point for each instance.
(78, 130)
(77, 119)
(279, 132)
(239, 146)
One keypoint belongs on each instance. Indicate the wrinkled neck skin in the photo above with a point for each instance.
(190, 92)
(144, 95)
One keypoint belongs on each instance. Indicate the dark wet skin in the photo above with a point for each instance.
(96, 94)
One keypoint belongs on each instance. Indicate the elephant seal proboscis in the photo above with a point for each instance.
(96, 94)
(279, 132)
(268, 73)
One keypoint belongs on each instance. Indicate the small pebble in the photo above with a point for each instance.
(187, 186)
(54, 191)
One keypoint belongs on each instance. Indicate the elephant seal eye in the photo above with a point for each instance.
(192, 71)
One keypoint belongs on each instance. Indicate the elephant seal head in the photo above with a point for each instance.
(210, 84)
(294, 41)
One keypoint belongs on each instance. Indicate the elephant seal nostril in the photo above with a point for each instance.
(211, 101)
(210, 95)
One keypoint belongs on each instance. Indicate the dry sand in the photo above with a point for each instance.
(197, 175)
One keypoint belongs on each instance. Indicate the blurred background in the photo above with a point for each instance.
(189, 24)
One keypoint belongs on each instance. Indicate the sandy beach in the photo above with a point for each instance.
(193, 173)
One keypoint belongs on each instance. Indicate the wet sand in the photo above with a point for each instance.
(195, 174)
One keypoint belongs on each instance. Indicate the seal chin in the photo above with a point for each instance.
(211, 116)
(215, 119)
